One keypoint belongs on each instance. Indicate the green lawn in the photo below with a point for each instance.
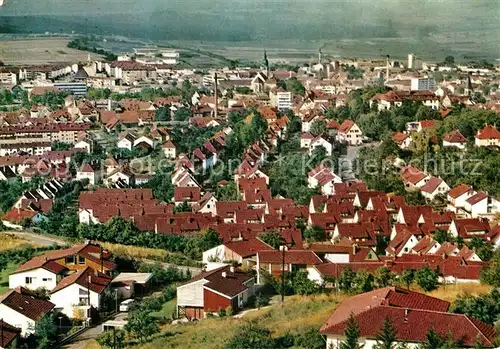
(166, 310)
(4, 277)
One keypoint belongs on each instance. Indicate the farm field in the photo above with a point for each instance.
(9, 242)
(40, 51)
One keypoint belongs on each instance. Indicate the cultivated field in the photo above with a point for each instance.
(40, 51)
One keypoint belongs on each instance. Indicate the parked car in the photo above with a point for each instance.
(126, 305)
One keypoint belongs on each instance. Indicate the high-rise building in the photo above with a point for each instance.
(423, 84)
(411, 61)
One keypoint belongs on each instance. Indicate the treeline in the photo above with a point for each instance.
(22, 254)
(85, 44)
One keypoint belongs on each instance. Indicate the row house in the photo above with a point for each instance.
(391, 99)
(60, 132)
(465, 201)
(412, 314)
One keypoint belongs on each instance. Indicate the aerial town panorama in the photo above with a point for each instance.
(158, 194)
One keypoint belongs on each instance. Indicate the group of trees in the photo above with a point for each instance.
(52, 99)
(10, 191)
(251, 335)
(360, 281)
(86, 44)
(485, 307)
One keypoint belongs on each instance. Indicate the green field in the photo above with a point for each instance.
(4, 277)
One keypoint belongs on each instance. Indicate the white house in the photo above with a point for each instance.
(321, 141)
(76, 294)
(454, 139)
(89, 172)
(126, 141)
(350, 133)
(433, 187)
(23, 310)
(477, 205)
(32, 275)
(169, 150)
(206, 204)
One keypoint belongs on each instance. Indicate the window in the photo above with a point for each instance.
(81, 260)
(70, 260)
(47, 279)
(28, 280)
(84, 301)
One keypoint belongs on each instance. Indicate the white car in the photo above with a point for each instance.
(125, 305)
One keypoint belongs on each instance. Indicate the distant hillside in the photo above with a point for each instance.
(245, 20)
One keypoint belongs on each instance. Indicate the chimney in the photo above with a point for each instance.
(405, 320)
(216, 97)
(231, 269)
(328, 71)
(387, 69)
(354, 248)
(224, 274)
(96, 273)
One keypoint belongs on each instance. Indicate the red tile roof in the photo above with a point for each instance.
(346, 126)
(488, 132)
(291, 257)
(432, 184)
(16, 215)
(454, 137)
(24, 302)
(474, 199)
(8, 333)
(412, 174)
(190, 194)
(459, 191)
(88, 278)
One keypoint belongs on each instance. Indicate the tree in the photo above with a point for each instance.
(363, 281)
(426, 278)
(112, 339)
(435, 341)
(346, 280)
(142, 325)
(46, 332)
(484, 307)
(182, 114)
(184, 207)
(318, 127)
(318, 154)
(351, 334)
(315, 233)
(386, 337)
(251, 336)
(449, 60)
(407, 277)
(309, 338)
(273, 239)
(302, 285)
(162, 114)
(384, 277)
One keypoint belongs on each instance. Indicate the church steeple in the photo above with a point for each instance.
(266, 62)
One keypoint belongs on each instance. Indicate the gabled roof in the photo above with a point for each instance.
(88, 278)
(25, 303)
(291, 257)
(459, 191)
(346, 126)
(247, 248)
(8, 333)
(488, 132)
(432, 184)
(454, 137)
(474, 199)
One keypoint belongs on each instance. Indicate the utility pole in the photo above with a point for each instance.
(1, 334)
(89, 279)
(283, 248)
(216, 97)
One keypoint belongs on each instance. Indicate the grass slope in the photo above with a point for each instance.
(297, 313)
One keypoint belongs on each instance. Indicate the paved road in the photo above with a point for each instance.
(37, 238)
